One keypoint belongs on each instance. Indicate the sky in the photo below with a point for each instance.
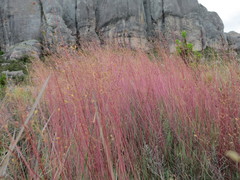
(228, 10)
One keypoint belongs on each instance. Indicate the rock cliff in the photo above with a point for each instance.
(133, 22)
(233, 39)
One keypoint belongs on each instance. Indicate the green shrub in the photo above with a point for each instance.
(185, 50)
(20, 65)
(3, 80)
(15, 65)
(3, 83)
(211, 54)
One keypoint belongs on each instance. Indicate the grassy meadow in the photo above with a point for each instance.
(115, 113)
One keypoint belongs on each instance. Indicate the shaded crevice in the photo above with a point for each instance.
(97, 29)
(148, 17)
(163, 17)
(202, 40)
(43, 17)
(76, 24)
(43, 24)
(223, 41)
(153, 20)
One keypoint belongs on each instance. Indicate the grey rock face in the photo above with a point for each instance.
(30, 48)
(54, 29)
(127, 22)
(19, 21)
(12, 74)
(180, 8)
(213, 27)
(122, 22)
(204, 28)
(234, 41)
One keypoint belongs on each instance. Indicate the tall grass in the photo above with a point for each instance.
(123, 114)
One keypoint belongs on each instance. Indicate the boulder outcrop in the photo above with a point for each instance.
(30, 48)
(128, 22)
(234, 41)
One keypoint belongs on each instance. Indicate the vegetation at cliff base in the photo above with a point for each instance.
(185, 50)
(20, 66)
(112, 113)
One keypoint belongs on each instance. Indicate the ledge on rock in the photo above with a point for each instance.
(30, 48)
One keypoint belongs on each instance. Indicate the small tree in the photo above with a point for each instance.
(185, 50)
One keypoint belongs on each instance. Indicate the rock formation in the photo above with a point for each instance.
(133, 22)
(30, 48)
(234, 41)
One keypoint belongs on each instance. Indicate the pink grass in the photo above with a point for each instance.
(107, 104)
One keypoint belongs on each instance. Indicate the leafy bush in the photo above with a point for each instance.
(185, 50)
(3, 83)
(19, 65)
(1, 53)
(3, 80)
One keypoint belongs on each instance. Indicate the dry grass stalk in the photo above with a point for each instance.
(5, 161)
